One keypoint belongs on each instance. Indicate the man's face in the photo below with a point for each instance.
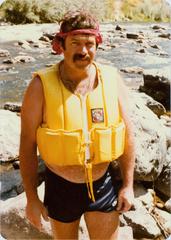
(79, 50)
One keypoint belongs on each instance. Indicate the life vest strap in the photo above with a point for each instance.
(89, 179)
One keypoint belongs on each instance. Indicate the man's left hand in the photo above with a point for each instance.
(125, 199)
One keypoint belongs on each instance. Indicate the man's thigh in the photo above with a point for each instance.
(62, 230)
(102, 225)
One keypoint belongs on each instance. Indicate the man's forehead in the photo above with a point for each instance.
(81, 37)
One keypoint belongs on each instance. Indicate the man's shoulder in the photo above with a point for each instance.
(47, 70)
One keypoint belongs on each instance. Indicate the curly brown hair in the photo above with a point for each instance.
(79, 19)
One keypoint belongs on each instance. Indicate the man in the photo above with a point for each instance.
(71, 112)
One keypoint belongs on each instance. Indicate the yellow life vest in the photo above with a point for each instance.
(62, 140)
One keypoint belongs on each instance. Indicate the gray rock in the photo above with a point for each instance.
(5, 68)
(134, 69)
(4, 53)
(150, 140)
(24, 59)
(163, 183)
(143, 225)
(13, 107)
(9, 135)
(156, 27)
(9, 61)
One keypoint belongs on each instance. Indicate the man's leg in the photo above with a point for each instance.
(102, 225)
(62, 230)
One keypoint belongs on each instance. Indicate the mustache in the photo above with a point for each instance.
(78, 56)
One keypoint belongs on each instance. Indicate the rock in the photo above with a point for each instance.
(26, 47)
(24, 59)
(157, 85)
(39, 45)
(44, 38)
(168, 205)
(150, 140)
(104, 47)
(156, 27)
(163, 183)
(155, 106)
(125, 233)
(135, 69)
(11, 181)
(143, 225)
(23, 42)
(4, 53)
(5, 68)
(9, 61)
(140, 50)
(163, 53)
(164, 219)
(167, 128)
(14, 224)
(165, 35)
(133, 35)
(11, 184)
(119, 28)
(49, 35)
(155, 46)
(13, 107)
(9, 135)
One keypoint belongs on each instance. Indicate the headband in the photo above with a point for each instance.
(56, 42)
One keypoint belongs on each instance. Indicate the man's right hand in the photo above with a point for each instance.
(35, 209)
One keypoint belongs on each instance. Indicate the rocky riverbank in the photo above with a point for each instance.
(143, 59)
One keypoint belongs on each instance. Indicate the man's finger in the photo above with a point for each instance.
(120, 203)
(45, 215)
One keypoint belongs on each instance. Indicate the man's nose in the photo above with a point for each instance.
(83, 50)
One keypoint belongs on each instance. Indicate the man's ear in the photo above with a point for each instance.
(57, 47)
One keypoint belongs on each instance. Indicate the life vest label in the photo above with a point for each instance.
(97, 115)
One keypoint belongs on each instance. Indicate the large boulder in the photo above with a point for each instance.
(9, 135)
(150, 140)
(157, 85)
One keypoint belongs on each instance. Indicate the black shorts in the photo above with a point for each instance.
(67, 201)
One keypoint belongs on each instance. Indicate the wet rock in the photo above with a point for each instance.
(157, 85)
(156, 27)
(165, 35)
(39, 45)
(50, 36)
(168, 205)
(44, 38)
(155, 46)
(4, 53)
(135, 69)
(9, 61)
(13, 107)
(104, 47)
(140, 50)
(133, 35)
(24, 59)
(119, 28)
(163, 183)
(150, 140)
(164, 219)
(143, 225)
(163, 54)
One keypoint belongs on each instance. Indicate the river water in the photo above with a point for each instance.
(14, 82)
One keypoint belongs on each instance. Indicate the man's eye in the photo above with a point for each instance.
(90, 44)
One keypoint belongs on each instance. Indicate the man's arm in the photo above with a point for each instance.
(31, 118)
(127, 160)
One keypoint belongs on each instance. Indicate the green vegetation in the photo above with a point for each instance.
(147, 10)
(46, 11)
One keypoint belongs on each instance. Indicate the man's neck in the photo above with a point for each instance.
(74, 74)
